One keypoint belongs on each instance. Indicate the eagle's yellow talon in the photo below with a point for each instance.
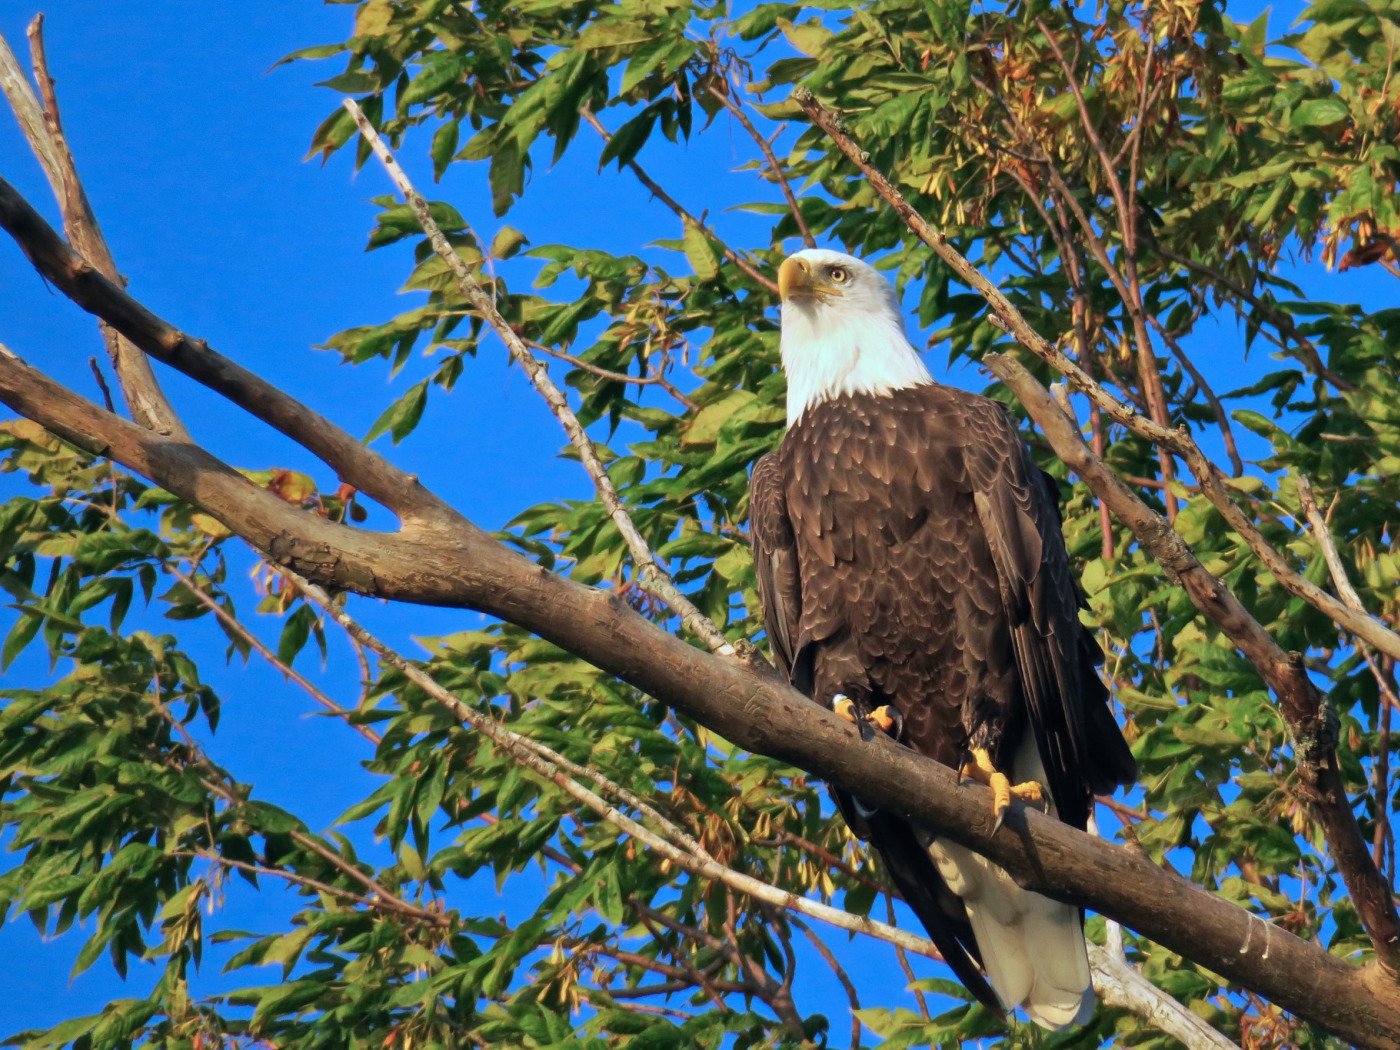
(981, 770)
(881, 717)
(845, 707)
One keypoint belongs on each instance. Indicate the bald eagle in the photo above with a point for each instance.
(913, 576)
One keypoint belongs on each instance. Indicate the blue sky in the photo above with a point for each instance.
(192, 152)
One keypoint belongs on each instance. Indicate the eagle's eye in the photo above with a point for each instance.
(838, 274)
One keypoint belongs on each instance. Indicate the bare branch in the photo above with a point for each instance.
(43, 128)
(654, 578)
(87, 287)
(1323, 535)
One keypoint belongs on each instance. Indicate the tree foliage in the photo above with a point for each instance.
(1152, 183)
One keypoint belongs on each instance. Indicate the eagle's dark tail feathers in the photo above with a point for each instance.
(920, 884)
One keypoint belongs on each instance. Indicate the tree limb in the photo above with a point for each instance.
(43, 128)
(748, 704)
(85, 285)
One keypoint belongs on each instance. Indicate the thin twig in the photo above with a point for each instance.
(656, 378)
(1280, 319)
(1323, 535)
(217, 782)
(236, 626)
(656, 191)
(779, 175)
(1222, 418)
(101, 384)
(296, 878)
(654, 578)
(841, 976)
(903, 958)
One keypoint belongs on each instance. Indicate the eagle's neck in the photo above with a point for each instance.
(831, 353)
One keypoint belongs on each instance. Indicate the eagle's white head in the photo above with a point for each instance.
(842, 331)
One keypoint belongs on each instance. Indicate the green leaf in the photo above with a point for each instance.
(400, 418)
(699, 252)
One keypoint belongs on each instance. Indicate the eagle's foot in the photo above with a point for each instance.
(888, 719)
(1003, 791)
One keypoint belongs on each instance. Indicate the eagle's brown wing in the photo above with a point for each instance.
(1064, 701)
(775, 560)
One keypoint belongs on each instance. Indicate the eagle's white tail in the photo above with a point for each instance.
(1032, 947)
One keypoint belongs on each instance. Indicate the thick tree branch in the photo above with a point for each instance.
(43, 128)
(744, 701)
(654, 577)
(352, 461)
(1310, 719)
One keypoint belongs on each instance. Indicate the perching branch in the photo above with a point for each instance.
(457, 564)
(655, 578)
(43, 129)
(664, 836)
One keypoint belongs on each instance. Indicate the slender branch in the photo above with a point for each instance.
(1126, 284)
(298, 879)
(43, 128)
(1335, 567)
(779, 175)
(219, 783)
(1280, 319)
(656, 191)
(654, 578)
(1222, 418)
(236, 626)
(900, 954)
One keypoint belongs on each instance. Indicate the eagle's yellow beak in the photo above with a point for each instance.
(796, 280)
